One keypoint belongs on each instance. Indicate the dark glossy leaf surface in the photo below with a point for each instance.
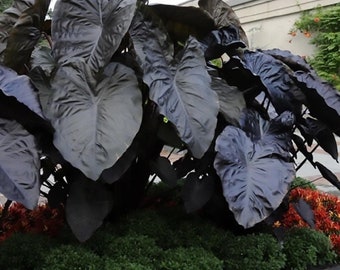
(90, 29)
(95, 117)
(20, 164)
(163, 169)
(305, 211)
(42, 58)
(196, 191)
(323, 100)
(327, 174)
(87, 206)
(224, 40)
(25, 35)
(275, 76)
(276, 132)
(19, 87)
(115, 172)
(8, 18)
(181, 22)
(295, 62)
(230, 98)
(322, 135)
(254, 171)
(223, 15)
(168, 134)
(42, 83)
(182, 91)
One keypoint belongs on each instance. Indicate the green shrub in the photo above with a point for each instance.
(150, 223)
(133, 248)
(192, 258)
(302, 183)
(24, 251)
(197, 232)
(111, 264)
(322, 25)
(253, 252)
(306, 247)
(71, 257)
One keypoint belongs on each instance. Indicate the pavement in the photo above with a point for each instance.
(308, 172)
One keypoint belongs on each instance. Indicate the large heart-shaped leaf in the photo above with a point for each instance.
(87, 206)
(95, 117)
(90, 29)
(183, 93)
(223, 15)
(8, 18)
(276, 132)
(275, 76)
(323, 100)
(19, 87)
(24, 35)
(19, 164)
(255, 175)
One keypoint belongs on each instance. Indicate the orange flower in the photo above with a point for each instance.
(307, 34)
(326, 209)
(316, 19)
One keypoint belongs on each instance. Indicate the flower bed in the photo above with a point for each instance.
(326, 210)
(162, 236)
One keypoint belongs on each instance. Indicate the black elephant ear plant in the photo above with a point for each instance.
(90, 97)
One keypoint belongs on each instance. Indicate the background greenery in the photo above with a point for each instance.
(4, 4)
(322, 26)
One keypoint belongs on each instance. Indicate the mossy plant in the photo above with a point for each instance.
(305, 247)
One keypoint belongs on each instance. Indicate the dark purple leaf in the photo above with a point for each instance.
(19, 164)
(231, 99)
(92, 30)
(255, 174)
(86, 207)
(95, 116)
(164, 170)
(223, 40)
(8, 18)
(181, 22)
(328, 175)
(277, 131)
(24, 35)
(223, 16)
(322, 135)
(197, 191)
(322, 100)
(181, 88)
(295, 62)
(21, 88)
(305, 211)
(275, 76)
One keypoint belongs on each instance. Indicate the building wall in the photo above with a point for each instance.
(267, 23)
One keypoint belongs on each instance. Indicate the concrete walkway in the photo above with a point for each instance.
(309, 172)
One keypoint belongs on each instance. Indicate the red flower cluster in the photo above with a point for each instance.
(326, 210)
(40, 220)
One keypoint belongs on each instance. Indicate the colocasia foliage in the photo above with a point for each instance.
(90, 97)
